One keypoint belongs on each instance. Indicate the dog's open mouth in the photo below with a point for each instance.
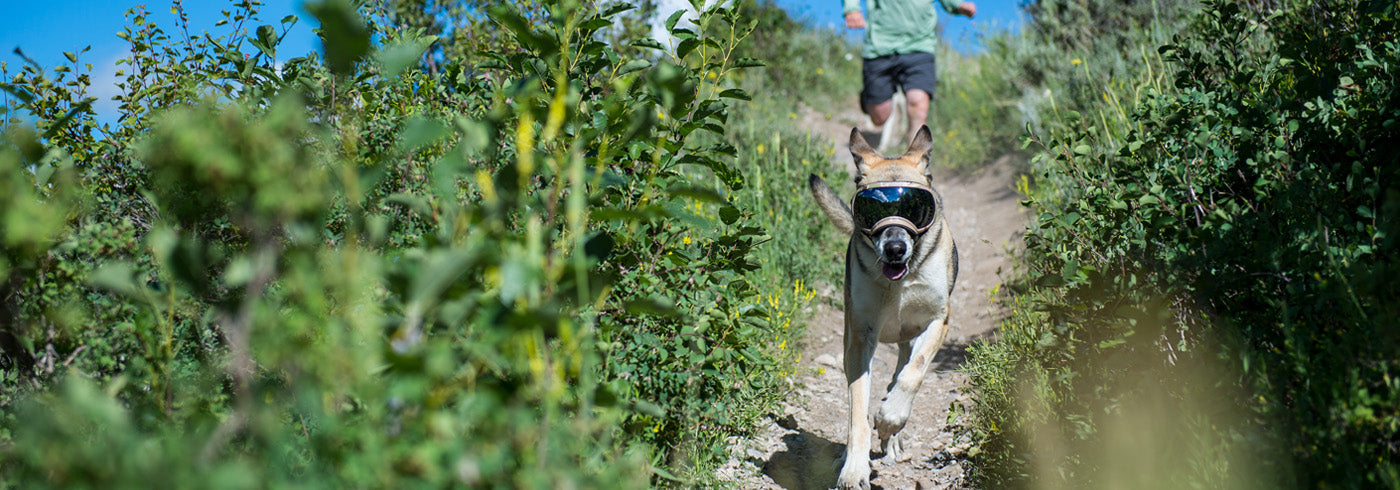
(893, 272)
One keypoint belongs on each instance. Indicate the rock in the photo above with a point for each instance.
(827, 360)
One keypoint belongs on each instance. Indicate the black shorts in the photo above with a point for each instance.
(883, 75)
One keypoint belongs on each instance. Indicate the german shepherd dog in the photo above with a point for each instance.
(901, 264)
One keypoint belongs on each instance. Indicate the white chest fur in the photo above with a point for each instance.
(900, 310)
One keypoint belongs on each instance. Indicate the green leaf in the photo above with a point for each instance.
(736, 93)
(507, 16)
(238, 273)
(647, 43)
(267, 40)
(632, 66)
(686, 46)
(118, 277)
(441, 270)
(397, 56)
(655, 306)
(729, 214)
(344, 36)
(661, 472)
(673, 19)
(421, 131)
(748, 63)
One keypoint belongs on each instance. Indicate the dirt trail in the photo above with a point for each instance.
(799, 448)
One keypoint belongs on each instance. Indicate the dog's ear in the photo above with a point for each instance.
(922, 147)
(861, 151)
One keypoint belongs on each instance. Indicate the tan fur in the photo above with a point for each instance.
(911, 311)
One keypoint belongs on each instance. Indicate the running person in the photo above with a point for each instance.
(900, 40)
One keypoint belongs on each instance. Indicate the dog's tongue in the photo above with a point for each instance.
(893, 271)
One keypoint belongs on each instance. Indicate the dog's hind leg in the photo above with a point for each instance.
(914, 360)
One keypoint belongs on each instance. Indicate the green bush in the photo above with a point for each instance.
(1202, 302)
(531, 264)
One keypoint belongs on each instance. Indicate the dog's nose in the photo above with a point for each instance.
(894, 248)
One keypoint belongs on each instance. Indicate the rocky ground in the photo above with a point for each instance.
(801, 447)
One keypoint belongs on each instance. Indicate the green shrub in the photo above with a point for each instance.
(1204, 273)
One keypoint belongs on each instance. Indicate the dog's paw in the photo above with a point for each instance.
(855, 474)
(891, 418)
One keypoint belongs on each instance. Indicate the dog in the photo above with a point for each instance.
(901, 264)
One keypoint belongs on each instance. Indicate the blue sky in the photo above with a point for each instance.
(45, 29)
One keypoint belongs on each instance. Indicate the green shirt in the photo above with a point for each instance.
(899, 26)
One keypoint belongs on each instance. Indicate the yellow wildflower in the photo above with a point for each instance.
(1075, 61)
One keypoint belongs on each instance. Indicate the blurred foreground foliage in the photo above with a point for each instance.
(489, 245)
(1204, 299)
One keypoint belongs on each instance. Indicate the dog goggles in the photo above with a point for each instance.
(894, 203)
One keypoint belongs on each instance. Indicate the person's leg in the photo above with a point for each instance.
(917, 101)
(880, 112)
(878, 88)
(919, 78)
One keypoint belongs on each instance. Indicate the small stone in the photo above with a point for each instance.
(925, 484)
(827, 360)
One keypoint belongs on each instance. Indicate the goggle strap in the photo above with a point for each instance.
(897, 221)
(896, 183)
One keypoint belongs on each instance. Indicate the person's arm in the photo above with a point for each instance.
(957, 7)
(854, 19)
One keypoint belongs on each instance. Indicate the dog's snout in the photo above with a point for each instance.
(894, 245)
(895, 248)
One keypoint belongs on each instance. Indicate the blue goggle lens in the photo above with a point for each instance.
(911, 203)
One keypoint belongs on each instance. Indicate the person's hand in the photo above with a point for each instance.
(967, 9)
(854, 20)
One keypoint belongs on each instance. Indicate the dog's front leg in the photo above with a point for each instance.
(914, 360)
(860, 349)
